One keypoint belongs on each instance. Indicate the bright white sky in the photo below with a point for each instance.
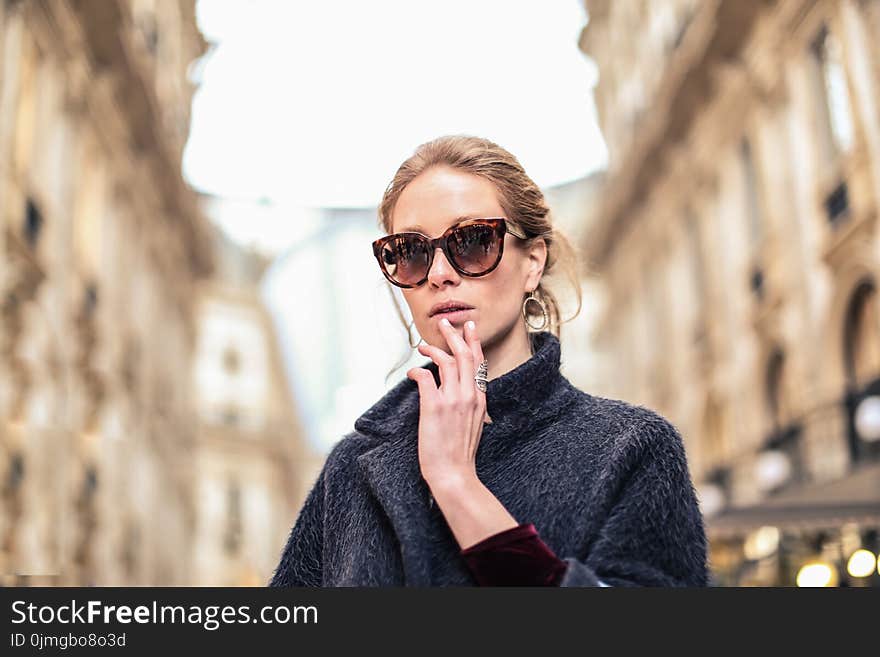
(315, 104)
(307, 105)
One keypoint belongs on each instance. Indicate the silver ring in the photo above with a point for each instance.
(480, 378)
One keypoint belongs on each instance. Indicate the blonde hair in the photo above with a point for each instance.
(522, 200)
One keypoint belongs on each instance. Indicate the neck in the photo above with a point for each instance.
(507, 352)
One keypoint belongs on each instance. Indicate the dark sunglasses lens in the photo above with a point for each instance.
(406, 259)
(475, 248)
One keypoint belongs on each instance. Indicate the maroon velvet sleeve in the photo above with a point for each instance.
(514, 557)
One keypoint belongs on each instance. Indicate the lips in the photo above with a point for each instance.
(453, 316)
(449, 306)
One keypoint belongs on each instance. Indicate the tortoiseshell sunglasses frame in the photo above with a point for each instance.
(501, 226)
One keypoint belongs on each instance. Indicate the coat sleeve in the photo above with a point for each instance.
(302, 560)
(654, 533)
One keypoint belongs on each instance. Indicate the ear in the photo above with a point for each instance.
(536, 258)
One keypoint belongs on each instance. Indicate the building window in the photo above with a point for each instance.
(653, 284)
(230, 416)
(33, 223)
(752, 194)
(715, 448)
(754, 217)
(775, 390)
(15, 473)
(130, 549)
(684, 21)
(145, 22)
(231, 361)
(837, 204)
(90, 299)
(836, 108)
(233, 534)
(697, 259)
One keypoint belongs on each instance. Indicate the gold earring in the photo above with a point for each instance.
(525, 314)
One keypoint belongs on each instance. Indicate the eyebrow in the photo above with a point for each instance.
(418, 229)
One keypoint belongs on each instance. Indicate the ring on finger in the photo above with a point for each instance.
(481, 377)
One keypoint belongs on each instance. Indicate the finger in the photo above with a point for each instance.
(473, 339)
(464, 355)
(445, 364)
(425, 382)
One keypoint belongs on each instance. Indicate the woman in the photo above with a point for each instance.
(485, 465)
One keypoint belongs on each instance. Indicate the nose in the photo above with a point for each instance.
(441, 271)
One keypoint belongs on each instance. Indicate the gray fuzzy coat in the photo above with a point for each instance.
(605, 482)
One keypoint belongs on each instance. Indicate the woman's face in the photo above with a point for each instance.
(431, 203)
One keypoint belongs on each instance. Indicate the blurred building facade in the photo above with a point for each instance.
(737, 240)
(107, 269)
(253, 464)
(572, 208)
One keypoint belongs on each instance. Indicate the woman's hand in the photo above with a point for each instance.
(451, 417)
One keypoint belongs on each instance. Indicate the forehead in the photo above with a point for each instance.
(441, 197)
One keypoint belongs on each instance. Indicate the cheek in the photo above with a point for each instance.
(502, 295)
(411, 298)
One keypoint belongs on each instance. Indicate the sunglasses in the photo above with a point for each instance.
(473, 247)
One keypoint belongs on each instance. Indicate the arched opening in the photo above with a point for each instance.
(779, 463)
(861, 362)
(861, 337)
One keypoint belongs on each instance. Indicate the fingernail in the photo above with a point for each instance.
(471, 324)
(445, 322)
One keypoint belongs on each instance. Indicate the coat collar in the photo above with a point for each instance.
(511, 399)
(518, 402)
